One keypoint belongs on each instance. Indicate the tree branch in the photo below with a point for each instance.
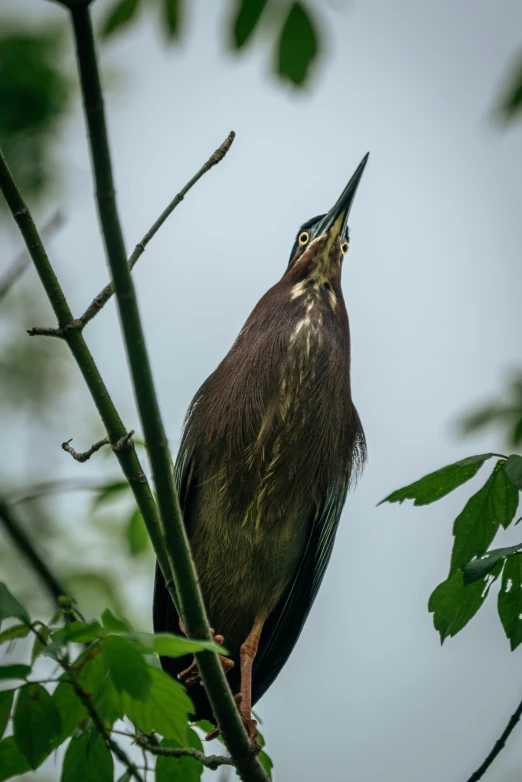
(209, 761)
(127, 457)
(179, 572)
(498, 746)
(103, 297)
(21, 540)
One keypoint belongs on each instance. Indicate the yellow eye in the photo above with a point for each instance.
(304, 238)
(344, 248)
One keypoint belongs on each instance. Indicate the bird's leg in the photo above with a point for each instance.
(247, 655)
(191, 674)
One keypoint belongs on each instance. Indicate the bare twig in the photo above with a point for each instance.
(179, 572)
(498, 746)
(22, 541)
(209, 761)
(123, 442)
(23, 260)
(45, 332)
(84, 455)
(37, 490)
(103, 297)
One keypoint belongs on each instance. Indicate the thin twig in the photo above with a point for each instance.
(498, 746)
(121, 444)
(127, 457)
(84, 455)
(23, 260)
(45, 488)
(179, 572)
(45, 332)
(209, 761)
(103, 297)
(19, 537)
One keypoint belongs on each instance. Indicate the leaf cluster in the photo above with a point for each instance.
(473, 566)
(114, 676)
(296, 37)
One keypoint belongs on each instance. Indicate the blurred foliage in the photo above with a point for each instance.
(85, 670)
(505, 413)
(510, 103)
(295, 34)
(34, 96)
(474, 568)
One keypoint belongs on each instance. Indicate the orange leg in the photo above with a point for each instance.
(247, 655)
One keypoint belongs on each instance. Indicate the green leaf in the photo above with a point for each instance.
(180, 769)
(165, 711)
(113, 624)
(453, 604)
(12, 762)
(71, 709)
(120, 15)
(93, 676)
(298, 45)
(40, 642)
(87, 760)
(169, 645)
(510, 600)
(247, 15)
(36, 723)
(17, 631)
(109, 492)
(476, 526)
(137, 535)
(6, 703)
(480, 567)
(439, 483)
(75, 632)
(513, 470)
(16, 671)
(127, 667)
(10, 607)
(172, 17)
(511, 102)
(266, 762)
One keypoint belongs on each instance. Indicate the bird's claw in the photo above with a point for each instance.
(191, 675)
(249, 725)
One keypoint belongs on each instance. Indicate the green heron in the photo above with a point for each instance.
(270, 445)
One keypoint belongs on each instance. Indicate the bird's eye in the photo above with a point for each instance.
(344, 248)
(304, 238)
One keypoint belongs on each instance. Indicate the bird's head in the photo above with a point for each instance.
(323, 241)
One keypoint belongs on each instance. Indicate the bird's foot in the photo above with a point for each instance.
(191, 675)
(249, 725)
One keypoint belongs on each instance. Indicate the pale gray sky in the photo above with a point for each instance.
(432, 284)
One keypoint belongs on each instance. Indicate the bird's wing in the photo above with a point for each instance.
(285, 623)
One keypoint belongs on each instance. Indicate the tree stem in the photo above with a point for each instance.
(179, 572)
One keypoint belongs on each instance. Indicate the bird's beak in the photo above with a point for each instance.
(337, 217)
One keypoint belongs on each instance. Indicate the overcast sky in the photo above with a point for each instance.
(432, 284)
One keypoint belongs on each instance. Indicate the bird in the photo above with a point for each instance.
(270, 445)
